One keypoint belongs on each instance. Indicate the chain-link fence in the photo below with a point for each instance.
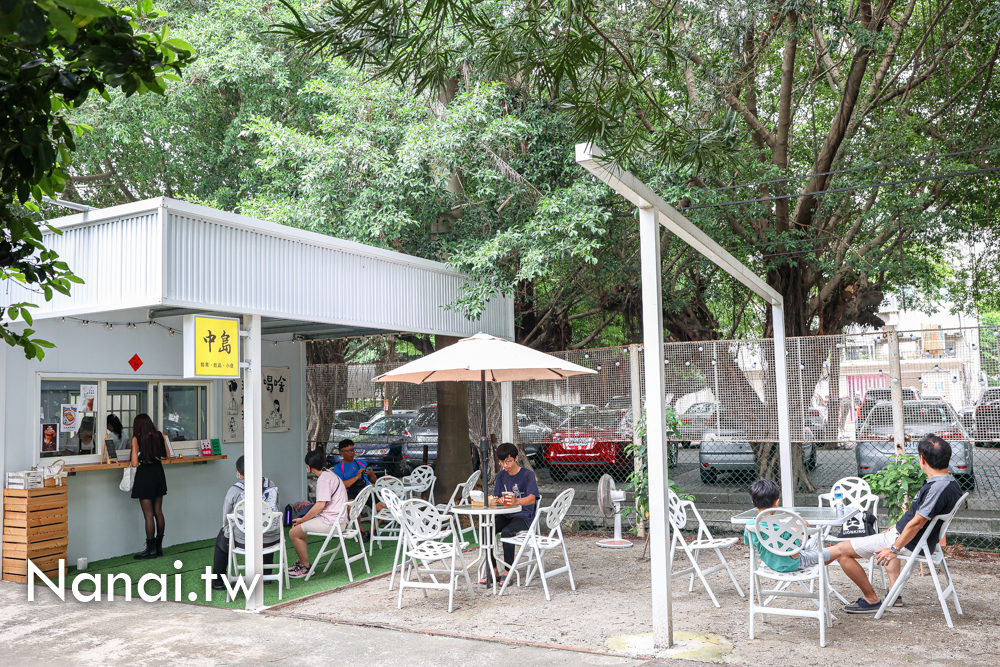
(722, 395)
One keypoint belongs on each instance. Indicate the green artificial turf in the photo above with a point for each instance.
(195, 556)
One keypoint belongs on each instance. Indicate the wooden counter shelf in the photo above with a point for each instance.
(83, 467)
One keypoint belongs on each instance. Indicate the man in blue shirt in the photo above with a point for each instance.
(517, 486)
(355, 474)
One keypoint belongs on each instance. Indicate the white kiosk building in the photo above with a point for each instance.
(119, 350)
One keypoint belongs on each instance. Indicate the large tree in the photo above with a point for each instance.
(53, 54)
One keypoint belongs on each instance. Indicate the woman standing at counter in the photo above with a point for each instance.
(148, 447)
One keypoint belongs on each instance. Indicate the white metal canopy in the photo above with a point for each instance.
(653, 212)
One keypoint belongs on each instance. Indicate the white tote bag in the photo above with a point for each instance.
(128, 479)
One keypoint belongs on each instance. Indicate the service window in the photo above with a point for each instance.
(68, 422)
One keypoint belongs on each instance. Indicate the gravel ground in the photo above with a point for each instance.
(612, 599)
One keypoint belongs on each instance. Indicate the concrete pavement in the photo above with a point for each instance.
(140, 634)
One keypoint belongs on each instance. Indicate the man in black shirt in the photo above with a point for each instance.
(939, 495)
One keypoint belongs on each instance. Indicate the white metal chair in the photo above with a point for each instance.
(422, 479)
(932, 555)
(384, 527)
(538, 544)
(343, 532)
(237, 521)
(393, 504)
(456, 500)
(784, 533)
(429, 537)
(858, 495)
(702, 542)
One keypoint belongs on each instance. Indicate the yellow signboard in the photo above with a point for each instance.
(211, 347)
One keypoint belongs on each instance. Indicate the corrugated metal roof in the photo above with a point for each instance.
(164, 254)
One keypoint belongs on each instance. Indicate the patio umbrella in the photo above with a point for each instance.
(487, 359)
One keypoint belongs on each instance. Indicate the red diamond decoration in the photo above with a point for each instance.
(135, 362)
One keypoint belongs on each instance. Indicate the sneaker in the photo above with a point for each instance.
(862, 606)
(298, 571)
(898, 602)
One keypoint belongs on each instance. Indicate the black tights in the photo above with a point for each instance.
(152, 509)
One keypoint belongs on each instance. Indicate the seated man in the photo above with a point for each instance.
(764, 495)
(355, 474)
(331, 496)
(233, 497)
(516, 486)
(939, 495)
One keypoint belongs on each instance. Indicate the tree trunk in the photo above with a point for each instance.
(326, 384)
(454, 461)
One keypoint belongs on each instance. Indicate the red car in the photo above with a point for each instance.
(592, 443)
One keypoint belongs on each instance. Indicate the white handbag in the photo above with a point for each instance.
(128, 479)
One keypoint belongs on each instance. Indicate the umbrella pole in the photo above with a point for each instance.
(484, 442)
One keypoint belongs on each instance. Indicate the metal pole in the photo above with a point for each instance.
(484, 441)
(507, 416)
(781, 384)
(656, 428)
(896, 390)
(635, 384)
(253, 460)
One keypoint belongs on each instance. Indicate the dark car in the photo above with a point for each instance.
(352, 418)
(593, 443)
(727, 449)
(423, 431)
(381, 445)
(540, 411)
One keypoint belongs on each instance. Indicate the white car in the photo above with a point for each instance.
(378, 415)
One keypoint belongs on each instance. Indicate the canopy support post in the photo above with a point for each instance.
(781, 386)
(253, 434)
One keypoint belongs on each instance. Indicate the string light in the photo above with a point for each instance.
(936, 368)
(687, 363)
(701, 349)
(598, 367)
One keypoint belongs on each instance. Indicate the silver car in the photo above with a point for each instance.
(875, 447)
(726, 450)
(696, 420)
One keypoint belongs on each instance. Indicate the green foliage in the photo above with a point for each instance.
(897, 484)
(53, 54)
(638, 480)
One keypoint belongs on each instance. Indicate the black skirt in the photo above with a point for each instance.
(150, 482)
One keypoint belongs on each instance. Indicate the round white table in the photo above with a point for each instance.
(488, 538)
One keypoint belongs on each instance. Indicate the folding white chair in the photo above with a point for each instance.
(857, 495)
(385, 528)
(430, 537)
(932, 555)
(464, 488)
(533, 540)
(349, 531)
(237, 520)
(703, 541)
(783, 532)
(393, 505)
(422, 479)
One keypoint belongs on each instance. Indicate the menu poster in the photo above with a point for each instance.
(69, 418)
(88, 397)
(50, 439)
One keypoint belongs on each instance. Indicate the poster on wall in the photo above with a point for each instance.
(275, 399)
(69, 418)
(232, 402)
(88, 397)
(50, 441)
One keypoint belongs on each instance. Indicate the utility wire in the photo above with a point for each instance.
(920, 179)
(853, 169)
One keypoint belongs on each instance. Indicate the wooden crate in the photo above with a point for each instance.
(34, 527)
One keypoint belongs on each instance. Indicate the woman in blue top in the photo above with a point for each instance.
(517, 486)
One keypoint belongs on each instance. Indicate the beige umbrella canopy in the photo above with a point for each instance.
(470, 358)
(487, 359)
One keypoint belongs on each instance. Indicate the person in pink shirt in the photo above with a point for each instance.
(331, 495)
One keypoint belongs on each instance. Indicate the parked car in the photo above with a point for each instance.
(540, 411)
(573, 408)
(593, 443)
(874, 396)
(986, 416)
(875, 447)
(618, 403)
(727, 449)
(424, 431)
(363, 426)
(381, 445)
(695, 420)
